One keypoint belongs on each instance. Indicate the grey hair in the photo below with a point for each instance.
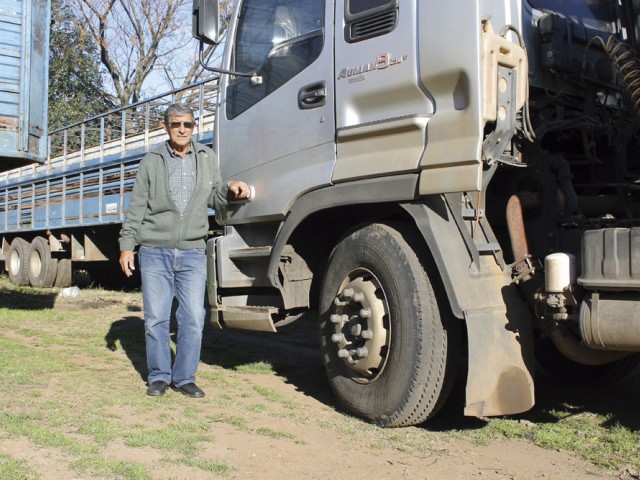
(176, 109)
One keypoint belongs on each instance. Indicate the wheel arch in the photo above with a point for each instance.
(320, 218)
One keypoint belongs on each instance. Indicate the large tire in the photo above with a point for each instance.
(64, 275)
(18, 262)
(389, 349)
(42, 267)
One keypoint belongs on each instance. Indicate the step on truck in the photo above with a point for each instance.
(443, 181)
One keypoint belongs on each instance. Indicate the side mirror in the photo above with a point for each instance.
(205, 21)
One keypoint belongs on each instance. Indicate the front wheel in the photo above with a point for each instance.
(388, 347)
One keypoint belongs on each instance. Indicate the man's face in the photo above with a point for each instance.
(179, 133)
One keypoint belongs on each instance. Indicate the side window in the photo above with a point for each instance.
(369, 18)
(276, 39)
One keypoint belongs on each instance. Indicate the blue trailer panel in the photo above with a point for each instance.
(24, 72)
(76, 200)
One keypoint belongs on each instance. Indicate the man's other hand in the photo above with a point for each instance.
(127, 262)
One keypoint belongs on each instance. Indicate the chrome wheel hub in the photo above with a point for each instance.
(361, 325)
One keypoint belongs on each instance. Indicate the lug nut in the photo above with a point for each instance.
(337, 338)
(339, 303)
(358, 297)
(335, 318)
(362, 352)
(365, 312)
(348, 292)
(343, 353)
(367, 334)
(356, 330)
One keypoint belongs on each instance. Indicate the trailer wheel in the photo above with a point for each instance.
(42, 267)
(64, 273)
(17, 264)
(388, 347)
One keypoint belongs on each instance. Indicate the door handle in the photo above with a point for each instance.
(312, 96)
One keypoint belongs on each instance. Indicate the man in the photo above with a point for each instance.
(167, 217)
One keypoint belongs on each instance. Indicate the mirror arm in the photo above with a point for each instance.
(253, 75)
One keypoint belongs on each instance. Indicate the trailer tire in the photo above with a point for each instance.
(64, 274)
(389, 349)
(42, 267)
(17, 263)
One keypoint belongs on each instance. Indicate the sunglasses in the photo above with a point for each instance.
(187, 125)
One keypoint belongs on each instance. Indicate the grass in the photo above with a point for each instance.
(269, 432)
(10, 468)
(41, 346)
(110, 468)
(73, 389)
(179, 437)
(256, 368)
(218, 468)
(15, 371)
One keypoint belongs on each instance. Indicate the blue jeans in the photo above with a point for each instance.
(165, 272)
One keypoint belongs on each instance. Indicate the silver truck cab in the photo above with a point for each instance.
(405, 184)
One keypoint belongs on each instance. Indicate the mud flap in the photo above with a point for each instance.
(501, 359)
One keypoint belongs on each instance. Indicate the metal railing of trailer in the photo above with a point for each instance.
(91, 165)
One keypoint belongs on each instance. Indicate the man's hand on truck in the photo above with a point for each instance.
(127, 262)
(239, 190)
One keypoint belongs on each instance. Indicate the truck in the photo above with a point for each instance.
(450, 185)
(443, 181)
(24, 72)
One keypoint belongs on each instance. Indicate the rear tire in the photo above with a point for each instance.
(42, 267)
(388, 347)
(17, 262)
(64, 274)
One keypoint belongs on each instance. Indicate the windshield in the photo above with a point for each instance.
(597, 14)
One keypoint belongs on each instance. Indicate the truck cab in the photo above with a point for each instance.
(407, 161)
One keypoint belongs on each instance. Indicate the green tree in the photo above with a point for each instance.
(75, 82)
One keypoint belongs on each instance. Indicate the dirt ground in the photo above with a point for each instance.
(320, 450)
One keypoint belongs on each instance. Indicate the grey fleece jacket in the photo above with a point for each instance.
(153, 220)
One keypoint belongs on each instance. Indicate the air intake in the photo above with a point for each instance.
(373, 26)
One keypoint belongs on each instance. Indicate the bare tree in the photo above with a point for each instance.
(180, 70)
(137, 36)
(133, 35)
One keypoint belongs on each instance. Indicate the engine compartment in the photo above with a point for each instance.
(576, 191)
(582, 172)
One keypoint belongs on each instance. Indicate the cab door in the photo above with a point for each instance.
(277, 133)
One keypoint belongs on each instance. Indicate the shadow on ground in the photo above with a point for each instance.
(129, 331)
(556, 399)
(26, 301)
(294, 355)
